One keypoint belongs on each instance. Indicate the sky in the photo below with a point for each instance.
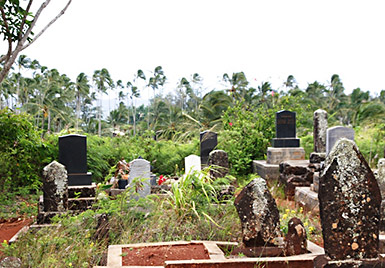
(268, 40)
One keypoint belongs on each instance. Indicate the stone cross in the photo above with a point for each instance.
(320, 121)
(349, 201)
(140, 169)
(55, 188)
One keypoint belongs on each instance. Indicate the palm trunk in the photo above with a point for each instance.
(77, 110)
(49, 122)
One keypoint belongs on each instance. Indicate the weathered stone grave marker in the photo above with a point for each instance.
(209, 141)
(73, 155)
(192, 163)
(55, 188)
(219, 161)
(258, 213)
(350, 202)
(140, 169)
(333, 134)
(320, 126)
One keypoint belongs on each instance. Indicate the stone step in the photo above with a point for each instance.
(82, 191)
(81, 203)
(306, 198)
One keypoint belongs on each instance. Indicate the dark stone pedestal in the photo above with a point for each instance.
(80, 179)
(285, 142)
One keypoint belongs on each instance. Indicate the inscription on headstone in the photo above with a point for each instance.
(333, 134)
(285, 130)
(208, 141)
(73, 155)
(349, 201)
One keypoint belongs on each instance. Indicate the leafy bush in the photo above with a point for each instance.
(246, 136)
(22, 152)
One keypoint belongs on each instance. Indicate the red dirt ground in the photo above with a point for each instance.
(157, 255)
(9, 227)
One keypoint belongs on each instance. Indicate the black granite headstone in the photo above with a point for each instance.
(208, 141)
(73, 155)
(285, 130)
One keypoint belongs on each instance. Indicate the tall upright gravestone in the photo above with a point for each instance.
(209, 141)
(349, 201)
(285, 130)
(73, 155)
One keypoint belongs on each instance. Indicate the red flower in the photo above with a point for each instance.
(272, 93)
(230, 124)
(161, 179)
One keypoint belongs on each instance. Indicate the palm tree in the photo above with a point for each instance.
(103, 82)
(157, 80)
(82, 91)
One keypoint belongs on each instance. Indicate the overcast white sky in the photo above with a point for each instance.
(268, 40)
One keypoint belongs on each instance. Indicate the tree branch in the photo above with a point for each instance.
(24, 18)
(48, 25)
(7, 56)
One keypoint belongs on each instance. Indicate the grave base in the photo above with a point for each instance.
(306, 198)
(277, 155)
(285, 142)
(79, 179)
(266, 171)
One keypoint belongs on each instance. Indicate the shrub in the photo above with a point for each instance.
(22, 152)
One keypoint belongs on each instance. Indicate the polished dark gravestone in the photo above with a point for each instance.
(208, 141)
(349, 202)
(73, 155)
(285, 130)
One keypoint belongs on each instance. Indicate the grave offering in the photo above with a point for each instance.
(192, 163)
(208, 141)
(73, 155)
(320, 125)
(140, 176)
(258, 213)
(333, 134)
(350, 202)
(219, 161)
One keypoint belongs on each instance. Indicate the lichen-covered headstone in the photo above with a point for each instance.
(381, 183)
(219, 162)
(258, 213)
(349, 201)
(320, 121)
(55, 187)
(296, 238)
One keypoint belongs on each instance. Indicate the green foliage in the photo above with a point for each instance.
(370, 141)
(22, 152)
(246, 136)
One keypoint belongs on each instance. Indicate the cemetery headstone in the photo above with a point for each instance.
(320, 121)
(209, 141)
(285, 130)
(381, 183)
(73, 155)
(192, 163)
(333, 134)
(140, 170)
(296, 238)
(55, 188)
(219, 161)
(258, 213)
(349, 201)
